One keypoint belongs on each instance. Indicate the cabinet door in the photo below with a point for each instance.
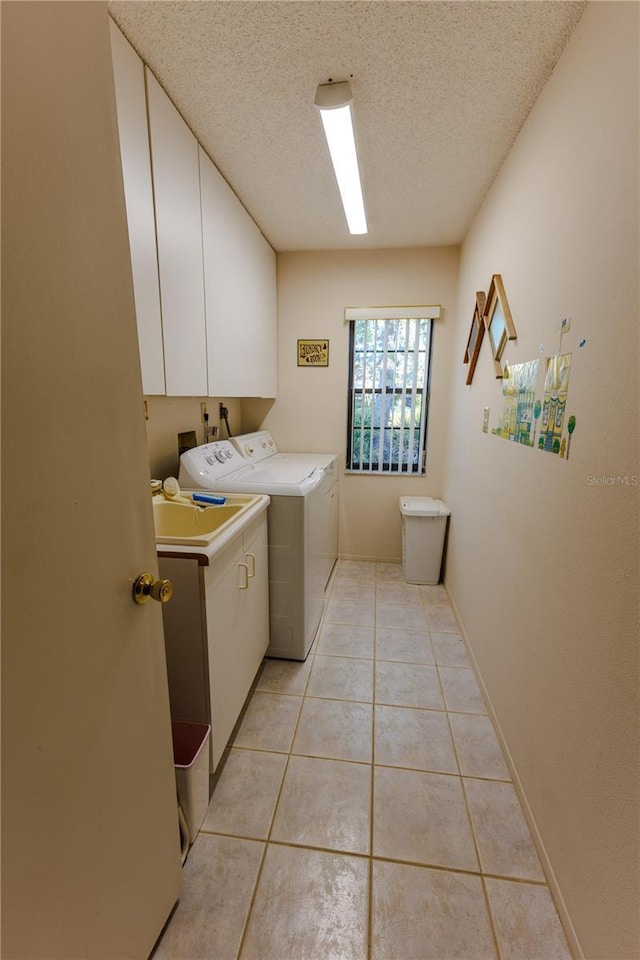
(240, 288)
(128, 74)
(256, 614)
(224, 603)
(176, 181)
(262, 279)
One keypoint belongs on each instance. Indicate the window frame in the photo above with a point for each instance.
(390, 469)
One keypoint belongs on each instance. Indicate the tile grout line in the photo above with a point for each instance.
(466, 801)
(419, 864)
(267, 839)
(492, 924)
(370, 931)
(485, 893)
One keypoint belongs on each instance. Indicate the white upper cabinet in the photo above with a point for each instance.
(204, 277)
(174, 153)
(128, 71)
(240, 293)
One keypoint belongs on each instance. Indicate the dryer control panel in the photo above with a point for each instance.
(255, 446)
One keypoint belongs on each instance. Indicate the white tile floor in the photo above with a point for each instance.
(365, 811)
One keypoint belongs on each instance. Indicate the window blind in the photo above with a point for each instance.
(388, 393)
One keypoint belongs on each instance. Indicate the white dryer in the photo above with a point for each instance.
(302, 521)
(259, 446)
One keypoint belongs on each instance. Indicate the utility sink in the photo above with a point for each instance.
(191, 525)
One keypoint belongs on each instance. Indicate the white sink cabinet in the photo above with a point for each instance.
(216, 627)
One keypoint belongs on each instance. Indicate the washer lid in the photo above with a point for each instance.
(423, 507)
(274, 472)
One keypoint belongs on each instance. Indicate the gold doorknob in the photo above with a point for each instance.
(146, 587)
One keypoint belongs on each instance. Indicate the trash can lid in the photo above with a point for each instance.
(423, 507)
(188, 736)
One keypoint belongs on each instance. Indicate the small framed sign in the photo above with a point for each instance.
(313, 353)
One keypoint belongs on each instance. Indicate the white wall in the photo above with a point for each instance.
(310, 413)
(542, 560)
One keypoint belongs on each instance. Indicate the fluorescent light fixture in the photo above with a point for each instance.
(334, 103)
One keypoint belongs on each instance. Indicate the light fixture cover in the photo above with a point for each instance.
(334, 102)
(329, 96)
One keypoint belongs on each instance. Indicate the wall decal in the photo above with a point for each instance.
(533, 413)
(520, 410)
(313, 353)
(554, 404)
(565, 326)
(571, 425)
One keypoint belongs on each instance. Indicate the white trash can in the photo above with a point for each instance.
(424, 523)
(191, 760)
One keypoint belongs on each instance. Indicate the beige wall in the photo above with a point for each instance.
(310, 413)
(542, 559)
(169, 416)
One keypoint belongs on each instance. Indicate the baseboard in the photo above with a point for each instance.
(556, 893)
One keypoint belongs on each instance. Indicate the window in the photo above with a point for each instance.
(388, 389)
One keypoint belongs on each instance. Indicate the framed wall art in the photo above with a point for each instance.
(476, 333)
(498, 321)
(313, 353)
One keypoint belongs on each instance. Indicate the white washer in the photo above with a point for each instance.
(302, 521)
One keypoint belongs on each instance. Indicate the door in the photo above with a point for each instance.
(90, 852)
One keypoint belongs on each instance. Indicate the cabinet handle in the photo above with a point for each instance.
(245, 585)
(252, 568)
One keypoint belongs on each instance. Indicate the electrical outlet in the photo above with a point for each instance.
(203, 412)
(485, 420)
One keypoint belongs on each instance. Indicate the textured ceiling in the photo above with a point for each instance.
(440, 90)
